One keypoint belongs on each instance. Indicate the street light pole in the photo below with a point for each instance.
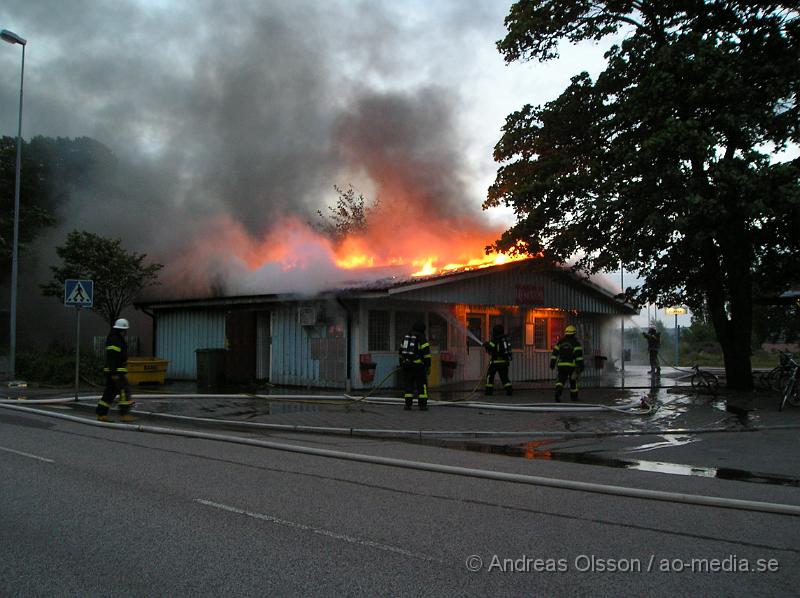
(622, 325)
(13, 38)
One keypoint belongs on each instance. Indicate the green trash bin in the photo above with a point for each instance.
(210, 369)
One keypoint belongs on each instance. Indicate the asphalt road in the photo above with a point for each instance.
(91, 511)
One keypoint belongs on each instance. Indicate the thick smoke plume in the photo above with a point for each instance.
(231, 122)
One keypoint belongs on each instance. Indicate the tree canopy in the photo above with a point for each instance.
(118, 275)
(670, 161)
(52, 169)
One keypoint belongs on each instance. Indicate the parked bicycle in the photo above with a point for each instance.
(703, 381)
(791, 390)
(776, 378)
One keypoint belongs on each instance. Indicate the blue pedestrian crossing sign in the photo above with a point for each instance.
(78, 293)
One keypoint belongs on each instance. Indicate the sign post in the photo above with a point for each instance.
(676, 311)
(78, 294)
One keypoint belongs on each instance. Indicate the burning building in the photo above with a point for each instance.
(296, 307)
(348, 336)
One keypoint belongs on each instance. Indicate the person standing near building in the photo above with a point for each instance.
(567, 355)
(653, 345)
(116, 374)
(415, 364)
(499, 350)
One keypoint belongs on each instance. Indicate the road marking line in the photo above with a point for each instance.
(316, 530)
(26, 455)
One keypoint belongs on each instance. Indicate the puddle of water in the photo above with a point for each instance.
(538, 450)
(668, 441)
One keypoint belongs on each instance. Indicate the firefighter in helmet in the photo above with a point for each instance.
(568, 357)
(653, 345)
(116, 374)
(499, 350)
(415, 365)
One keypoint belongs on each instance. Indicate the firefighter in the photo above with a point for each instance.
(499, 350)
(115, 373)
(568, 356)
(653, 345)
(415, 364)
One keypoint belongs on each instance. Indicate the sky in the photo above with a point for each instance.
(234, 119)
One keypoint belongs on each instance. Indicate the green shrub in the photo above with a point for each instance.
(56, 366)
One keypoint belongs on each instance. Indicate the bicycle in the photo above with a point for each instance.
(774, 379)
(791, 391)
(704, 381)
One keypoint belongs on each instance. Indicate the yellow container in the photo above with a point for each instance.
(435, 378)
(147, 369)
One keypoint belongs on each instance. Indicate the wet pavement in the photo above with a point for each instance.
(686, 432)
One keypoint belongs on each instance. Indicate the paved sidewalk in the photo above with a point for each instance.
(730, 431)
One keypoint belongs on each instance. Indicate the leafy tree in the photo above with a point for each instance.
(669, 161)
(349, 215)
(776, 324)
(33, 216)
(52, 169)
(118, 275)
(700, 337)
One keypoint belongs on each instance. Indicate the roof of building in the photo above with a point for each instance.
(391, 283)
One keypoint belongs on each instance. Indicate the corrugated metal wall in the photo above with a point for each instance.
(500, 288)
(291, 360)
(263, 345)
(180, 332)
(307, 355)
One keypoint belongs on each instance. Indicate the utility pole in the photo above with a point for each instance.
(677, 341)
(676, 311)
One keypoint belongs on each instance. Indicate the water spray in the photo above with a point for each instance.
(455, 321)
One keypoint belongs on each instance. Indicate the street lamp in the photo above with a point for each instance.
(13, 38)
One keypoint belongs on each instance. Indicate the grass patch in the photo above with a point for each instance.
(759, 359)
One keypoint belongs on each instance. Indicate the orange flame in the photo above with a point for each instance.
(292, 245)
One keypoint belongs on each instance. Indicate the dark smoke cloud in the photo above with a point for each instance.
(411, 142)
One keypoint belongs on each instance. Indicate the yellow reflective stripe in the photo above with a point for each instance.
(114, 348)
(124, 370)
(423, 345)
(103, 403)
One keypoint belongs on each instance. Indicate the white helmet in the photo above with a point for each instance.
(121, 324)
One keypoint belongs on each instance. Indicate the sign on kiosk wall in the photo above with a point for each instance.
(529, 294)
